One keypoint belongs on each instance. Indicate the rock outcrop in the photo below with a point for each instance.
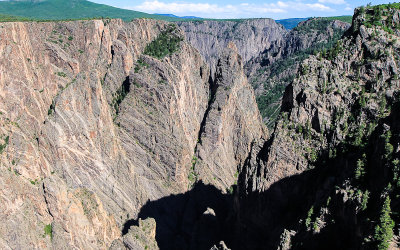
(251, 37)
(324, 176)
(232, 124)
(95, 124)
(271, 71)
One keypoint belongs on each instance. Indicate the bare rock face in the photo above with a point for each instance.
(232, 124)
(70, 155)
(138, 237)
(251, 37)
(91, 129)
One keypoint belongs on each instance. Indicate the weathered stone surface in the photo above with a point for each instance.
(141, 236)
(91, 129)
(58, 84)
(251, 37)
(232, 123)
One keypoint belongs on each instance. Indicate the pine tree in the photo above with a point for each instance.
(384, 230)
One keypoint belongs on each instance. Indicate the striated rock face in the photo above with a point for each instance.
(322, 178)
(232, 123)
(251, 37)
(92, 129)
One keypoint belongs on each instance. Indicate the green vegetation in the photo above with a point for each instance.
(167, 42)
(192, 175)
(61, 74)
(8, 18)
(384, 230)
(68, 10)
(34, 182)
(374, 16)
(346, 19)
(3, 146)
(269, 102)
(312, 25)
(388, 146)
(364, 201)
(48, 230)
(333, 52)
(360, 170)
(309, 215)
(140, 64)
(119, 96)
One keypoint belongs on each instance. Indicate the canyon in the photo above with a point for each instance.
(148, 134)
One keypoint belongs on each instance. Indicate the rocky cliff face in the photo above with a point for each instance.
(330, 169)
(251, 37)
(116, 135)
(271, 71)
(95, 124)
(233, 122)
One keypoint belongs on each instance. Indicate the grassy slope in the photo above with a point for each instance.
(347, 19)
(73, 9)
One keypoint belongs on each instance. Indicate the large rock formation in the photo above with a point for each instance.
(251, 37)
(271, 71)
(232, 124)
(104, 124)
(322, 179)
(93, 128)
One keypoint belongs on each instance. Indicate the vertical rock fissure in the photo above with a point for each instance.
(212, 90)
(120, 95)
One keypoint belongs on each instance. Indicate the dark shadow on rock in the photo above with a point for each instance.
(256, 220)
(181, 222)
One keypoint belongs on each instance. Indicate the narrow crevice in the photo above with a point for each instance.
(120, 95)
(212, 93)
(112, 53)
(46, 201)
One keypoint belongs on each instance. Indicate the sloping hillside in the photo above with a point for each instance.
(72, 9)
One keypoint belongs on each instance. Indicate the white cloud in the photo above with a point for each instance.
(229, 10)
(333, 1)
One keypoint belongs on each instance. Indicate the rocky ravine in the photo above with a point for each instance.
(92, 129)
(328, 175)
(271, 71)
(251, 37)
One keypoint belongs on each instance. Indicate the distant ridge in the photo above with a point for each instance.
(290, 23)
(72, 9)
(185, 17)
(26, 10)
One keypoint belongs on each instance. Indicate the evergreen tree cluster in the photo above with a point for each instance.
(167, 42)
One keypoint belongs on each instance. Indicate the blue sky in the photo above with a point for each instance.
(277, 9)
